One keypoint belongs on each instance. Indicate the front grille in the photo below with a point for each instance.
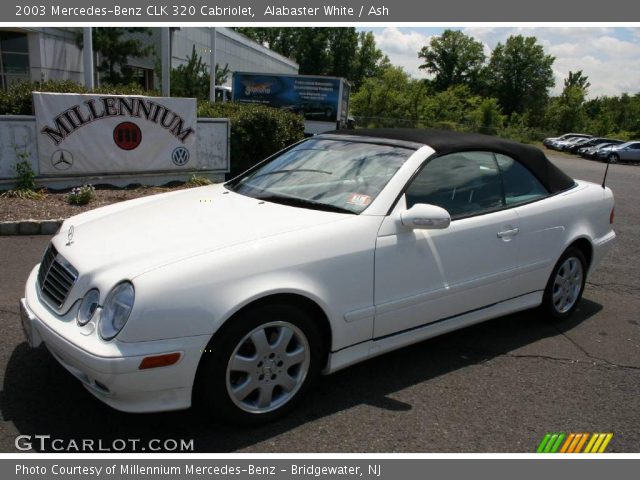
(55, 277)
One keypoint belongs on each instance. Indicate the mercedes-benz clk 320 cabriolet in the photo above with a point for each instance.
(339, 248)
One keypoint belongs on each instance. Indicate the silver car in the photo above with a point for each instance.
(626, 152)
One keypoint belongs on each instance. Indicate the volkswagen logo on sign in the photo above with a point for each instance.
(62, 160)
(180, 156)
(127, 135)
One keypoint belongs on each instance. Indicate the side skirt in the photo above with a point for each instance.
(372, 348)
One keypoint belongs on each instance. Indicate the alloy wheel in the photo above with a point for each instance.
(268, 367)
(567, 285)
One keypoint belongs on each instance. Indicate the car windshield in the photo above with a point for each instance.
(324, 174)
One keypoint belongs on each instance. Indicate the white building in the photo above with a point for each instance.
(45, 53)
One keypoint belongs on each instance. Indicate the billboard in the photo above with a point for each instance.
(316, 98)
(103, 134)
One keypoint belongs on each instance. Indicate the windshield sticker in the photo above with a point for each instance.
(359, 199)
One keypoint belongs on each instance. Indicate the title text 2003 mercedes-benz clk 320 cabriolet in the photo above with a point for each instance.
(339, 248)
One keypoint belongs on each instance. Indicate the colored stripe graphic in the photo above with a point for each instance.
(581, 442)
(574, 443)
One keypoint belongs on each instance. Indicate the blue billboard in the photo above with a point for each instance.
(316, 98)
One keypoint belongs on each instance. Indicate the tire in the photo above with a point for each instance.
(252, 351)
(614, 158)
(565, 285)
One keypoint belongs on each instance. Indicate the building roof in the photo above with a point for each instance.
(449, 141)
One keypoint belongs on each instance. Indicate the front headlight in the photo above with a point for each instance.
(116, 310)
(88, 306)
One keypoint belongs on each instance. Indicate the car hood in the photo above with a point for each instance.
(149, 232)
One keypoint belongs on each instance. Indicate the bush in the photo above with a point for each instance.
(25, 179)
(81, 195)
(257, 131)
(198, 181)
(17, 99)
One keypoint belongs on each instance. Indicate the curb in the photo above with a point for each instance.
(30, 227)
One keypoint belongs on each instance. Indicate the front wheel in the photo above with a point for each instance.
(566, 284)
(257, 368)
(614, 158)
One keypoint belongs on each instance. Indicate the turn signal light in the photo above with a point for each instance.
(611, 216)
(159, 361)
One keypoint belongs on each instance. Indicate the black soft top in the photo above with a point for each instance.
(448, 141)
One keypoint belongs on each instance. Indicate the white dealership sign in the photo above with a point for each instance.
(107, 134)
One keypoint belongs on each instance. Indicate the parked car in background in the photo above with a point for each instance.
(339, 248)
(603, 153)
(592, 151)
(561, 145)
(590, 143)
(548, 141)
(625, 152)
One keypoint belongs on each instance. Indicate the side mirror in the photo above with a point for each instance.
(425, 216)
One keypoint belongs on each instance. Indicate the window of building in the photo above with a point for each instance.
(143, 77)
(14, 58)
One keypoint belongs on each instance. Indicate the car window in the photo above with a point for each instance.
(464, 184)
(635, 146)
(520, 185)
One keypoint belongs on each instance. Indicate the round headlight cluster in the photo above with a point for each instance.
(116, 310)
(88, 306)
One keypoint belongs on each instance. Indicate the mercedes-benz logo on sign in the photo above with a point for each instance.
(62, 160)
(180, 156)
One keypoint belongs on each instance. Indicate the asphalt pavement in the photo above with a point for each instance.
(495, 387)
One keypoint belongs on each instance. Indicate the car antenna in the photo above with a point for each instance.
(606, 170)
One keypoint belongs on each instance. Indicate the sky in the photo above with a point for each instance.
(609, 56)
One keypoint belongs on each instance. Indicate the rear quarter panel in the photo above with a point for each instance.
(550, 225)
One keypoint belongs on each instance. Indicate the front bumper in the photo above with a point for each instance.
(115, 377)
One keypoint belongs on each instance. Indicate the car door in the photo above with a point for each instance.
(633, 152)
(540, 221)
(422, 276)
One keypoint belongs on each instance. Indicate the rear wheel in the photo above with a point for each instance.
(260, 366)
(566, 284)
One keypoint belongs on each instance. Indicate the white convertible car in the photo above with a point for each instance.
(339, 248)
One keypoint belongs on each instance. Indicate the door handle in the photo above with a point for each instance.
(509, 233)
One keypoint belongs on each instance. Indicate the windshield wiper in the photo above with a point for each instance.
(301, 202)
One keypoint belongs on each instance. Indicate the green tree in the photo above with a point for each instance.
(283, 40)
(520, 75)
(191, 79)
(343, 47)
(567, 113)
(487, 116)
(577, 79)
(369, 60)
(336, 51)
(454, 59)
(449, 108)
(384, 100)
(115, 46)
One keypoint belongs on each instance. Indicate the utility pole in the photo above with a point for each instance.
(87, 57)
(165, 60)
(212, 68)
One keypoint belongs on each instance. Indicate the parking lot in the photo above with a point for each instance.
(496, 387)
